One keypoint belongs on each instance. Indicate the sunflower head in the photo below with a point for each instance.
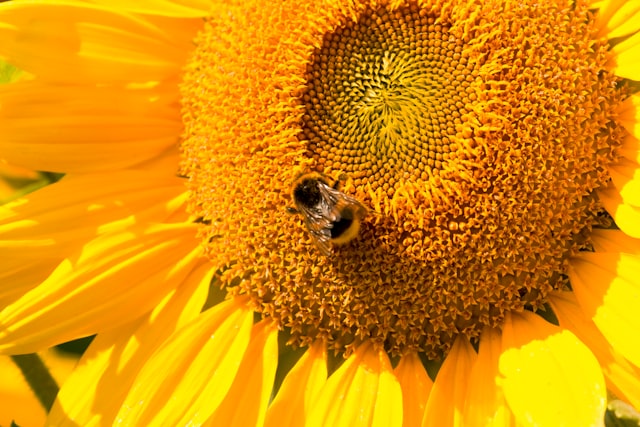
(475, 134)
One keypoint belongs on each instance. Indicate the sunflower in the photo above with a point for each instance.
(494, 145)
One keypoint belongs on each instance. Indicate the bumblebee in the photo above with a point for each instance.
(331, 216)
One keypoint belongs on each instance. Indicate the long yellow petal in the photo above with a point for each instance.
(18, 404)
(246, 402)
(627, 216)
(614, 241)
(299, 389)
(629, 111)
(93, 394)
(362, 392)
(80, 128)
(549, 377)
(619, 18)
(172, 8)
(73, 42)
(485, 404)
(60, 217)
(622, 377)
(630, 149)
(445, 406)
(626, 59)
(416, 386)
(115, 279)
(37, 232)
(186, 379)
(625, 175)
(607, 287)
(23, 278)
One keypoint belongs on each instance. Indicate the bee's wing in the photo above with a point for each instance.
(337, 201)
(319, 226)
(321, 218)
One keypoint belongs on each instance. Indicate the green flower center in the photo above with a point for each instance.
(384, 97)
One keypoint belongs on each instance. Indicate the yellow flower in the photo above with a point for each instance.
(494, 144)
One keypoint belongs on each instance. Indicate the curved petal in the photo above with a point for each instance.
(173, 8)
(626, 216)
(93, 394)
(190, 375)
(416, 386)
(485, 404)
(57, 219)
(630, 149)
(619, 18)
(246, 401)
(446, 402)
(38, 231)
(300, 389)
(622, 377)
(114, 279)
(87, 128)
(548, 376)
(626, 178)
(630, 114)
(69, 41)
(18, 404)
(607, 287)
(614, 241)
(362, 392)
(626, 58)
(23, 277)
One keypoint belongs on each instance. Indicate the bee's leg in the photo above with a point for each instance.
(341, 180)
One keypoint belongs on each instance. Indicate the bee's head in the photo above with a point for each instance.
(307, 192)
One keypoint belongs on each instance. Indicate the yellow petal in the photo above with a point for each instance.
(60, 217)
(115, 279)
(619, 18)
(630, 149)
(614, 241)
(174, 8)
(40, 230)
(626, 178)
(299, 389)
(362, 392)
(630, 114)
(548, 376)
(79, 42)
(18, 403)
(626, 216)
(446, 402)
(607, 287)
(93, 394)
(626, 60)
(84, 128)
(23, 278)
(246, 402)
(622, 377)
(416, 386)
(485, 404)
(186, 379)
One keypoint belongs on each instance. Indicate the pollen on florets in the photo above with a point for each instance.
(476, 135)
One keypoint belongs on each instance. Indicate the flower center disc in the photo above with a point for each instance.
(384, 97)
(475, 135)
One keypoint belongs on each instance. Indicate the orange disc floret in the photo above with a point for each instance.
(475, 134)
